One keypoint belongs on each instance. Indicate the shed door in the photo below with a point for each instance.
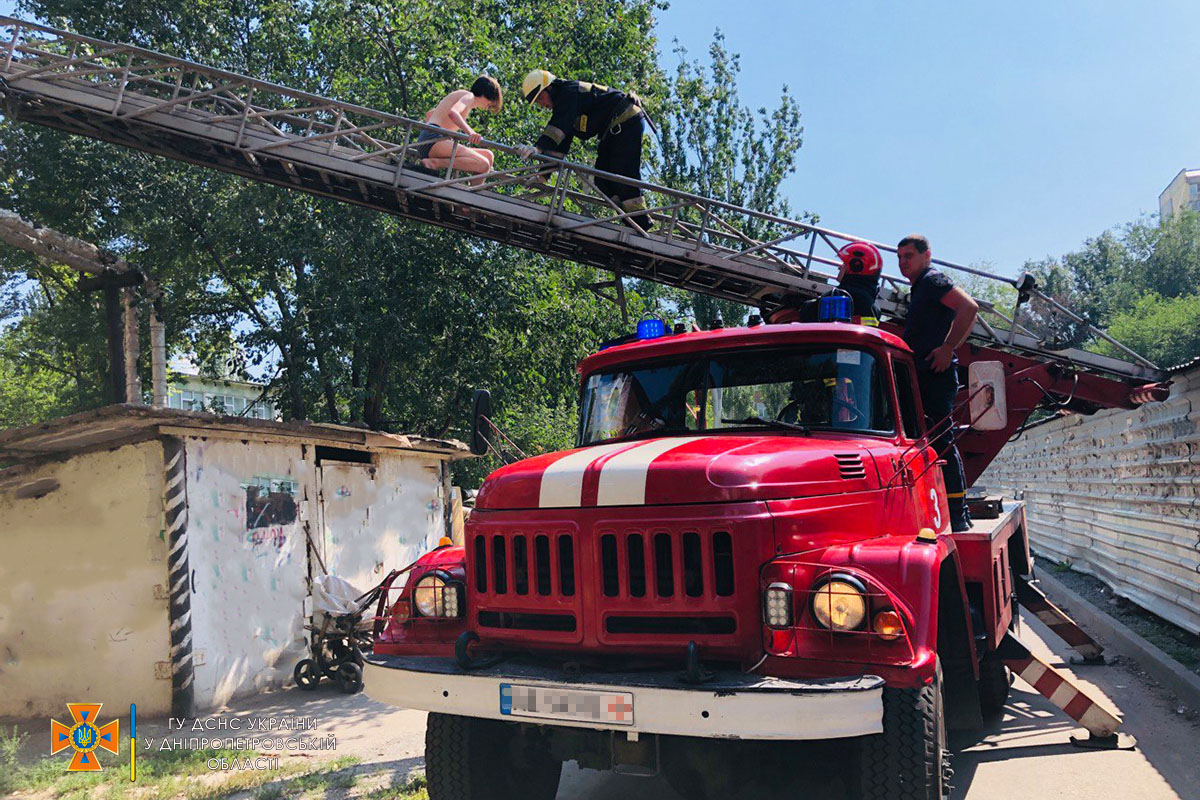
(348, 544)
(376, 517)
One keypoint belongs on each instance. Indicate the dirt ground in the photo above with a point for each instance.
(1180, 645)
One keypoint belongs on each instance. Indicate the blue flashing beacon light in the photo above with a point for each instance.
(651, 328)
(835, 307)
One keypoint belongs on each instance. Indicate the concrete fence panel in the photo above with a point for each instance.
(1117, 495)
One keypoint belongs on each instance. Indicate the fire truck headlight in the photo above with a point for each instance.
(840, 603)
(777, 605)
(433, 596)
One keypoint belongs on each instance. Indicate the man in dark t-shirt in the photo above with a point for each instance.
(940, 317)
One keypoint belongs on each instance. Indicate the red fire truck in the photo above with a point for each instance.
(743, 575)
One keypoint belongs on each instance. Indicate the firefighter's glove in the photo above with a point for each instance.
(526, 151)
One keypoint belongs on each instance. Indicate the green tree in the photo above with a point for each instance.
(50, 363)
(368, 317)
(1165, 330)
(1137, 281)
(712, 144)
(1100, 273)
(1000, 295)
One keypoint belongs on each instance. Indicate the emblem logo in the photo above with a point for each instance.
(84, 736)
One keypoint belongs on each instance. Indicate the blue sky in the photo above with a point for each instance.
(1004, 131)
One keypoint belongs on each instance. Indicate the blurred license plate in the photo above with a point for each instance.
(579, 705)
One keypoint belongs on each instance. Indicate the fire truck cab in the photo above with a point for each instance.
(743, 575)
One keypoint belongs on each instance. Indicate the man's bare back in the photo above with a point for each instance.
(452, 105)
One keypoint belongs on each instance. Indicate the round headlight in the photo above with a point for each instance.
(839, 605)
(428, 596)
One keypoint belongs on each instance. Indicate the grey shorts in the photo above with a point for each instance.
(425, 142)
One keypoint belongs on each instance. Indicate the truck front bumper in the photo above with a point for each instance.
(732, 705)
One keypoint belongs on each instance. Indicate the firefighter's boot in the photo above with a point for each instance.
(960, 517)
(643, 221)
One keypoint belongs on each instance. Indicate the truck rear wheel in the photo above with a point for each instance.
(994, 682)
(909, 760)
(482, 759)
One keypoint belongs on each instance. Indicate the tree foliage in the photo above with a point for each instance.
(1139, 282)
(1164, 329)
(713, 145)
(355, 315)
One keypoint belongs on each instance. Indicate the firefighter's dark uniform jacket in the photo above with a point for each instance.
(585, 110)
(864, 290)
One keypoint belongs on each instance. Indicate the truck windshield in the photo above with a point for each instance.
(829, 389)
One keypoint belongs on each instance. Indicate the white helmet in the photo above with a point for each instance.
(535, 83)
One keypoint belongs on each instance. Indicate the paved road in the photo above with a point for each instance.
(1026, 755)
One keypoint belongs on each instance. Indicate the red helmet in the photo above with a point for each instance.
(861, 258)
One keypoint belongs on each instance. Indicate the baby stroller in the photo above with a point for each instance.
(337, 642)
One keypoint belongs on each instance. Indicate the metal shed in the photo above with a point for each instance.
(164, 557)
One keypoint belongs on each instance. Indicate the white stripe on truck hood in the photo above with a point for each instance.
(623, 477)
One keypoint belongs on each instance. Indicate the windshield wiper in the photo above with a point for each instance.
(768, 423)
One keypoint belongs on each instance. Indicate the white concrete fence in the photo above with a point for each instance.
(1117, 495)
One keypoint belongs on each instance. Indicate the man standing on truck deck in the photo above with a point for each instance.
(584, 110)
(940, 316)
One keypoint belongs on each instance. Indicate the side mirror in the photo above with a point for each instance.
(481, 412)
(985, 387)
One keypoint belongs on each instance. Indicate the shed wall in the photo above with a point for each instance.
(1117, 494)
(79, 621)
(249, 506)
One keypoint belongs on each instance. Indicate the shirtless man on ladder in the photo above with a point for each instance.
(451, 114)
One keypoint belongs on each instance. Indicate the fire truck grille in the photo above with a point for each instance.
(696, 625)
(528, 622)
(666, 564)
(661, 564)
(542, 564)
(646, 588)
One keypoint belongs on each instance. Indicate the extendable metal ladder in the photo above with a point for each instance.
(186, 111)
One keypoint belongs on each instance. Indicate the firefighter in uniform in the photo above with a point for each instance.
(583, 110)
(859, 275)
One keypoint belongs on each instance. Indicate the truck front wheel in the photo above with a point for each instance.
(482, 759)
(909, 760)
